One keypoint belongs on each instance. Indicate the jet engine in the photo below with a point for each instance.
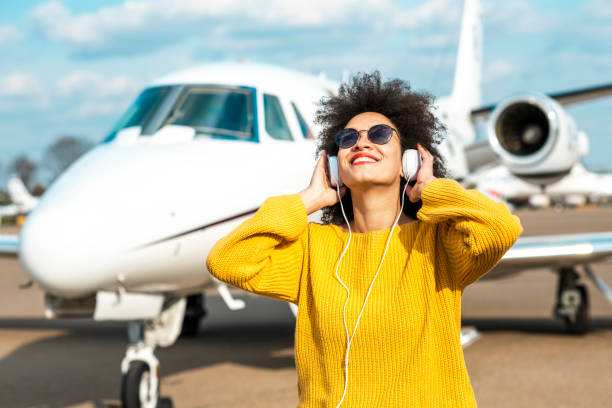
(535, 137)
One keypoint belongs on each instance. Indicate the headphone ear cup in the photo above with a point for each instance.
(334, 172)
(411, 164)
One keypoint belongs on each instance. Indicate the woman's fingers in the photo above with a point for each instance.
(424, 152)
(320, 175)
(321, 182)
(426, 171)
(320, 193)
(321, 163)
(415, 193)
(408, 190)
(425, 175)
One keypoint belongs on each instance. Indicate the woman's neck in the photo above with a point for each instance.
(375, 209)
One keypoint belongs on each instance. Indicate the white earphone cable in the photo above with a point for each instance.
(350, 340)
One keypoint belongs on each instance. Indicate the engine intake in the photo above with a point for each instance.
(522, 129)
(535, 137)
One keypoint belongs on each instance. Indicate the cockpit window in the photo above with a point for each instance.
(140, 111)
(303, 125)
(276, 123)
(215, 112)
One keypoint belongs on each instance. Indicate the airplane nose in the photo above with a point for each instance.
(59, 255)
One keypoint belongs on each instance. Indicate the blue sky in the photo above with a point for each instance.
(70, 67)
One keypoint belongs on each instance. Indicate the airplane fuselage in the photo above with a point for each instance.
(142, 211)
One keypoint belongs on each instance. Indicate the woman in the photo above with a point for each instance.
(379, 304)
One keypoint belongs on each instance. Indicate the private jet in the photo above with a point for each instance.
(22, 201)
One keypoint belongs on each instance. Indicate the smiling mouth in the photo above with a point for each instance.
(363, 160)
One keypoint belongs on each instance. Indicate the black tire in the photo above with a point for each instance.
(130, 385)
(582, 323)
(165, 403)
(191, 327)
(194, 312)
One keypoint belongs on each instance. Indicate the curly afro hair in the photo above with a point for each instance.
(409, 111)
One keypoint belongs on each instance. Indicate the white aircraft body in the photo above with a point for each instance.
(22, 201)
(578, 187)
(124, 232)
(9, 210)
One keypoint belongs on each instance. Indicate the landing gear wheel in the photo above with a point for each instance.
(572, 302)
(190, 328)
(581, 323)
(135, 387)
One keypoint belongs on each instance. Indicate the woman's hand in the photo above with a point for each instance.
(424, 177)
(319, 193)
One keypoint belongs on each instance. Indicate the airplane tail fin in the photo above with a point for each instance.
(468, 69)
(19, 193)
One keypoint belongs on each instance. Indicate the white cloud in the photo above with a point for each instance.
(73, 84)
(595, 27)
(95, 28)
(499, 69)
(599, 9)
(88, 94)
(441, 11)
(20, 84)
(430, 41)
(519, 17)
(97, 109)
(94, 84)
(8, 34)
(22, 91)
(151, 24)
(59, 23)
(79, 93)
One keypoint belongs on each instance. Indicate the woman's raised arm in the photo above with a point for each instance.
(474, 230)
(267, 253)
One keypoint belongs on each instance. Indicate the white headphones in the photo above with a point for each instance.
(411, 163)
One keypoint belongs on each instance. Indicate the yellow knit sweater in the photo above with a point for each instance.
(406, 351)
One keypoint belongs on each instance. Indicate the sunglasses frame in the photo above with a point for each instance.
(368, 134)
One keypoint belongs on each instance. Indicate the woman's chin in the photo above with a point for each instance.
(365, 182)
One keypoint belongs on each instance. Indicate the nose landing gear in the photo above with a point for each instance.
(140, 367)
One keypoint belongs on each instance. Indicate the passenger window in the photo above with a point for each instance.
(303, 125)
(276, 123)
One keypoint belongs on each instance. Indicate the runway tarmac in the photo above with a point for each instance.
(245, 358)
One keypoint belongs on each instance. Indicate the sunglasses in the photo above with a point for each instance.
(379, 134)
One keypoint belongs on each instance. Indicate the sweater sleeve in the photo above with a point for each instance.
(474, 230)
(267, 253)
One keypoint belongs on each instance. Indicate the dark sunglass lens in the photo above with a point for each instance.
(346, 138)
(380, 134)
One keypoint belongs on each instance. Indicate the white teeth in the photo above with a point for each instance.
(364, 160)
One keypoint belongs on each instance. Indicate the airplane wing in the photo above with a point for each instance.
(564, 98)
(9, 245)
(554, 251)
